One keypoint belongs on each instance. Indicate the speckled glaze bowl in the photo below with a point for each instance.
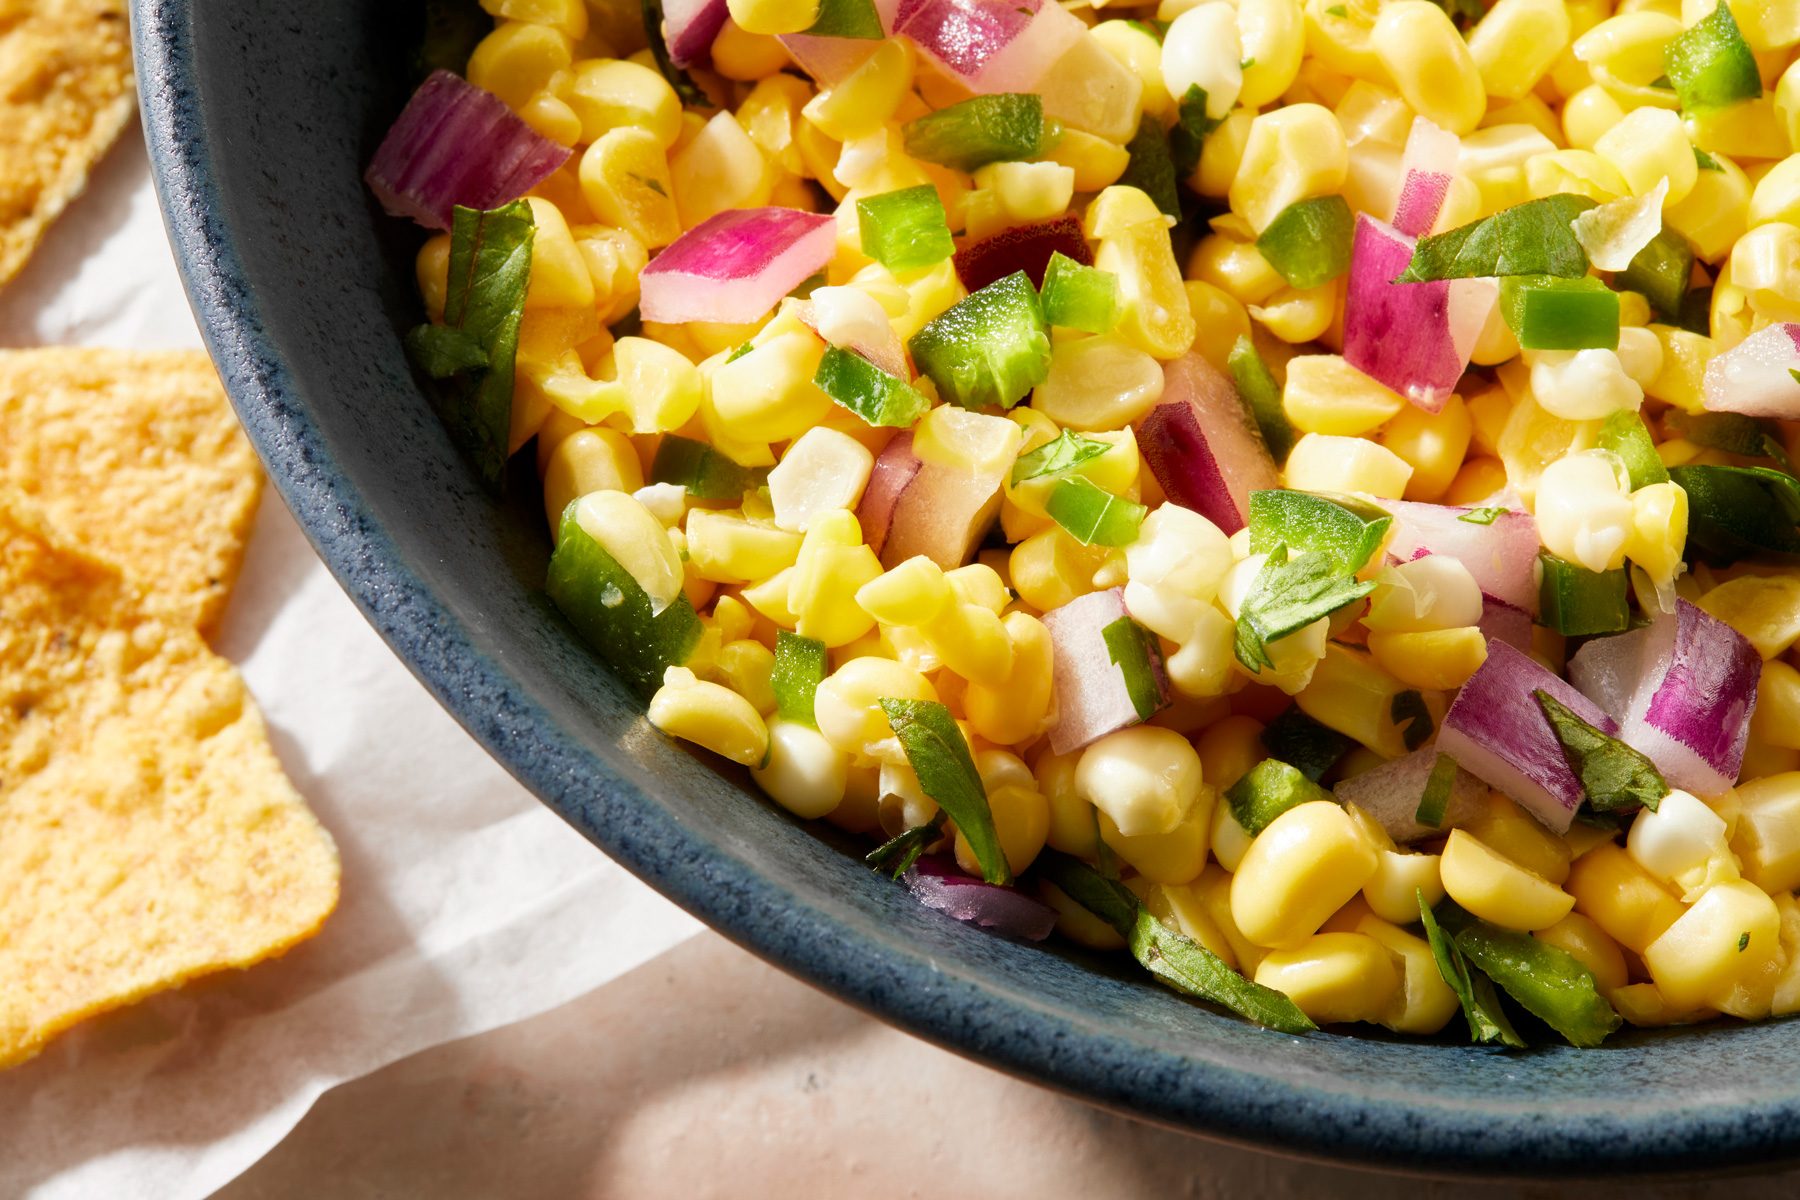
(261, 115)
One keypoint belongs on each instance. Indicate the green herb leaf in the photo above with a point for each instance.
(1740, 512)
(1626, 435)
(1338, 10)
(1150, 167)
(1058, 456)
(1547, 981)
(1705, 161)
(1482, 516)
(1533, 238)
(490, 269)
(685, 88)
(1170, 956)
(1613, 775)
(894, 856)
(940, 757)
(800, 667)
(742, 350)
(1286, 597)
(1262, 395)
(1189, 135)
(1436, 800)
(1266, 791)
(1481, 1007)
(1311, 748)
(1408, 709)
(1743, 941)
(847, 19)
(1093, 516)
(1129, 647)
(868, 391)
(1731, 432)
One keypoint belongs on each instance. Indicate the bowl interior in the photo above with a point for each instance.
(261, 120)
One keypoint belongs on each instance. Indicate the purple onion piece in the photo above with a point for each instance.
(734, 267)
(1202, 447)
(1501, 622)
(937, 883)
(1502, 555)
(1091, 696)
(690, 27)
(1391, 793)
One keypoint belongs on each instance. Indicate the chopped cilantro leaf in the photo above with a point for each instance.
(1287, 596)
(1533, 238)
(1613, 775)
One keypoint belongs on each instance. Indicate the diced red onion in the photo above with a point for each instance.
(1755, 377)
(734, 267)
(1425, 174)
(1502, 556)
(990, 46)
(1024, 248)
(1684, 687)
(885, 352)
(1414, 337)
(1391, 793)
(831, 60)
(1091, 696)
(455, 144)
(911, 507)
(1497, 731)
(1200, 443)
(690, 27)
(1502, 622)
(938, 884)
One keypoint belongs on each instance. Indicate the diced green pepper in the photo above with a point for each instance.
(1660, 273)
(1548, 312)
(905, 230)
(1710, 64)
(1311, 748)
(1626, 435)
(1138, 657)
(800, 666)
(847, 19)
(1262, 395)
(1347, 531)
(702, 470)
(1080, 297)
(1266, 791)
(1481, 1007)
(1547, 981)
(1150, 169)
(1093, 516)
(988, 349)
(868, 391)
(1309, 241)
(1577, 602)
(1436, 800)
(1740, 512)
(1008, 127)
(612, 612)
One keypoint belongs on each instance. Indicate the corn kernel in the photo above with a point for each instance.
(1621, 897)
(1135, 247)
(1292, 153)
(1764, 609)
(1430, 64)
(720, 169)
(774, 17)
(590, 460)
(518, 60)
(1591, 947)
(1648, 146)
(1145, 779)
(1436, 659)
(1516, 43)
(1505, 828)
(1330, 463)
(1300, 869)
(1497, 889)
(1731, 932)
(710, 716)
(1334, 977)
(1425, 1003)
(1325, 394)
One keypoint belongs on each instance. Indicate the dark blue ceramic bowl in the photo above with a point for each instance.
(261, 115)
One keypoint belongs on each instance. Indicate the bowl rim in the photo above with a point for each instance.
(1137, 1077)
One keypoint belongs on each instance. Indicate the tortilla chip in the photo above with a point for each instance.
(65, 93)
(136, 457)
(147, 833)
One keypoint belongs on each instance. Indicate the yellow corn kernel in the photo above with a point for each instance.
(1424, 1003)
(1588, 114)
(744, 667)
(1145, 779)
(768, 395)
(591, 460)
(1181, 908)
(1074, 827)
(1497, 889)
(1298, 315)
(1022, 821)
(769, 115)
(1431, 659)
(625, 180)
(1097, 163)
(1292, 153)
(1135, 247)
(1625, 55)
(550, 117)
(1335, 977)
(774, 17)
(976, 443)
(1749, 129)
(1509, 830)
(1621, 897)
(1392, 893)
(1050, 568)
(1272, 34)
(1330, 463)
(1478, 479)
(1352, 695)
(912, 593)
(1018, 708)
(1648, 146)
(1764, 609)
(567, 17)
(1136, 49)
(1219, 319)
(746, 56)
(720, 169)
(1430, 64)
(806, 774)
(847, 703)
(432, 269)
(614, 257)
(1213, 893)
(727, 548)
(1175, 857)
(1325, 394)
(1645, 1007)
(1300, 869)
(1719, 209)
(1591, 946)
(1776, 196)
(1767, 838)
(1659, 526)
(710, 716)
(1432, 444)
(518, 60)
(868, 97)
(559, 275)
(1096, 383)
(651, 385)
(1582, 172)
(1028, 191)
(1516, 43)
(1732, 932)
(1235, 267)
(833, 563)
(636, 540)
(1776, 721)
(615, 94)
(1229, 748)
